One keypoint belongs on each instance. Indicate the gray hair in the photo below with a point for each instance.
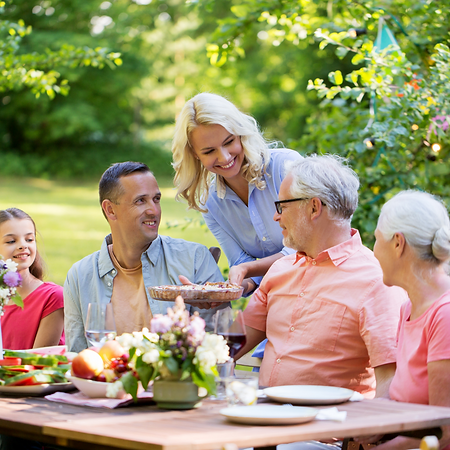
(422, 219)
(328, 178)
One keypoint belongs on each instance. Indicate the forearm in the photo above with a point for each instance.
(384, 375)
(259, 267)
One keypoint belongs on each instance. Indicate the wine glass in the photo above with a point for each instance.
(100, 324)
(230, 324)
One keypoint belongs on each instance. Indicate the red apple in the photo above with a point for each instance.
(87, 364)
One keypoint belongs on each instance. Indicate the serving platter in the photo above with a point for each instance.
(269, 414)
(214, 292)
(309, 394)
(37, 390)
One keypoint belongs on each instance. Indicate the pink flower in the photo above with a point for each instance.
(12, 279)
(197, 328)
(160, 324)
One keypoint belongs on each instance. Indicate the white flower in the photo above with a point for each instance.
(125, 340)
(113, 389)
(206, 359)
(216, 344)
(151, 357)
(4, 293)
(11, 265)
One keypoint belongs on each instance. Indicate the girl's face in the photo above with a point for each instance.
(18, 242)
(218, 150)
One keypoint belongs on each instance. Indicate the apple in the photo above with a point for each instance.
(111, 350)
(87, 364)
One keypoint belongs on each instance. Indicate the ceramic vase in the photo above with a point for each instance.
(176, 394)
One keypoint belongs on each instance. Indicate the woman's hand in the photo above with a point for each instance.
(237, 274)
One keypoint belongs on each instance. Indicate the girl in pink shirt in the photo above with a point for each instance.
(40, 322)
(413, 248)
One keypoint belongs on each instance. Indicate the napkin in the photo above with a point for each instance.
(80, 399)
(331, 414)
(356, 397)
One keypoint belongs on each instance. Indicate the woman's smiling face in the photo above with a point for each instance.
(218, 150)
(18, 242)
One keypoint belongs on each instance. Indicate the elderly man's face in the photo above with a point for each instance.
(293, 220)
(139, 210)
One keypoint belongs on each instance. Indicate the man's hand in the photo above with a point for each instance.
(237, 274)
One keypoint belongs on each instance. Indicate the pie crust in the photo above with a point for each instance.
(214, 292)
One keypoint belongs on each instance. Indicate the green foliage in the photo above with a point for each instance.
(395, 98)
(36, 71)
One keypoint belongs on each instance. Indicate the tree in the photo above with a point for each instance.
(389, 115)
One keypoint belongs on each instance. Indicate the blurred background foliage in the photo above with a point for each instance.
(308, 71)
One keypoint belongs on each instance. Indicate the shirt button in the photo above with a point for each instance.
(302, 294)
(292, 328)
(278, 360)
(313, 263)
(264, 239)
(109, 283)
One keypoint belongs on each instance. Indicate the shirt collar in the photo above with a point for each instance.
(105, 264)
(337, 254)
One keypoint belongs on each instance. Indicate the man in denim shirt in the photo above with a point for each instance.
(132, 259)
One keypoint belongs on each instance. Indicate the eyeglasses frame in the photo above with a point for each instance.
(278, 202)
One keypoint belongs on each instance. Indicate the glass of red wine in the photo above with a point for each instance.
(230, 324)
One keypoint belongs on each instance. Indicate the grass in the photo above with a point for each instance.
(71, 225)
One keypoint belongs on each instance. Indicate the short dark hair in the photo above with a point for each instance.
(37, 269)
(110, 187)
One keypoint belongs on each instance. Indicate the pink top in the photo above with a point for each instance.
(20, 326)
(328, 320)
(420, 341)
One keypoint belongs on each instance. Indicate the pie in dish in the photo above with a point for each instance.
(207, 292)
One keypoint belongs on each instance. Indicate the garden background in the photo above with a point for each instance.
(86, 83)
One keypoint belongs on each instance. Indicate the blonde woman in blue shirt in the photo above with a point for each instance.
(227, 170)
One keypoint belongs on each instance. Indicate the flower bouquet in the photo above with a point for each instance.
(10, 279)
(175, 348)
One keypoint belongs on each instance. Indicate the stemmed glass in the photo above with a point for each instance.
(230, 324)
(100, 324)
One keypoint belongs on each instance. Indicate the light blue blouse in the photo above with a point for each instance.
(248, 233)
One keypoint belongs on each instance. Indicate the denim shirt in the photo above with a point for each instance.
(91, 280)
(246, 233)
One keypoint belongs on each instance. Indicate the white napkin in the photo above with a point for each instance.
(331, 414)
(80, 399)
(356, 397)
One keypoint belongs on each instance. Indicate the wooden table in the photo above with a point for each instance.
(146, 427)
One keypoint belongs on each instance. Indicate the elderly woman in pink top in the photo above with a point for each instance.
(413, 248)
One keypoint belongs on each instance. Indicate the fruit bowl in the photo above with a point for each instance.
(93, 389)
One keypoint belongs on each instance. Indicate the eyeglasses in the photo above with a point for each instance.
(279, 208)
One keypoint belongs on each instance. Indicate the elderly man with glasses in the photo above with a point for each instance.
(325, 311)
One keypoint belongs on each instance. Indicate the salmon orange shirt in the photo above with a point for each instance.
(328, 320)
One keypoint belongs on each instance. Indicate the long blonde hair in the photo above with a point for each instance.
(192, 180)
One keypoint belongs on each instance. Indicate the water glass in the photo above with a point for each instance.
(225, 370)
(100, 324)
(241, 391)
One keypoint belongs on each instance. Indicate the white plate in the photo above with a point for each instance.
(39, 389)
(269, 414)
(309, 394)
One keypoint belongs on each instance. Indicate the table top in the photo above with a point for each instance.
(147, 427)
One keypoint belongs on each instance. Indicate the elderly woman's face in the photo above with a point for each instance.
(383, 251)
(218, 150)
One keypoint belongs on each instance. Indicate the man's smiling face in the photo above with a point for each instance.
(138, 211)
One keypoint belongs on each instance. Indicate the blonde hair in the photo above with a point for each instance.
(192, 180)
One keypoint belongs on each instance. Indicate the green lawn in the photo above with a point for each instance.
(71, 225)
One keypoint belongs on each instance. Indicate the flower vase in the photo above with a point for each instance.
(177, 394)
